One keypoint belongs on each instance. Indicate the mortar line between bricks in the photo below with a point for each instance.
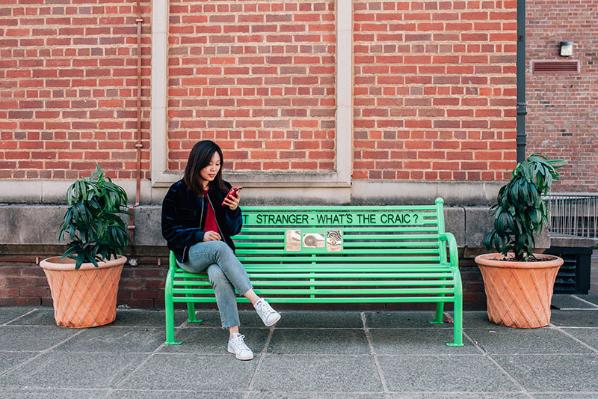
(576, 340)
(260, 360)
(368, 336)
(26, 362)
(19, 317)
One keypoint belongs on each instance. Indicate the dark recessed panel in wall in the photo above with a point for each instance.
(555, 66)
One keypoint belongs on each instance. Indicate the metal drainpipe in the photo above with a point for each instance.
(138, 143)
(521, 104)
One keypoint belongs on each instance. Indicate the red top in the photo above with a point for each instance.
(210, 224)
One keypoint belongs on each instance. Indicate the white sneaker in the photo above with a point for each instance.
(236, 345)
(268, 315)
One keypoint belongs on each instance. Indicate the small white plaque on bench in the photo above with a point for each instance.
(314, 241)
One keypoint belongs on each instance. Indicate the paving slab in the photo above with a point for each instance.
(323, 373)
(319, 341)
(522, 341)
(589, 336)
(8, 314)
(140, 394)
(115, 339)
(467, 373)
(479, 319)
(9, 360)
(567, 301)
(552, 373)
(575, 318)
(211, 318)
(192, 372)
(400, 319)
(73, 370)
(413, 341)
(590, 297)
(149, 318)
(54, 393)
(39, 317)
(568, 395)
(32, 338)
(314, 395)
(320, 319)
(457, 395)
(214, 340)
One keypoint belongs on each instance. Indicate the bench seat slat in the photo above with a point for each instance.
(202, 276)
(356, 251)
(317, 270)
(356, 299)
(331, 258)
(324, 283)
(322, 291)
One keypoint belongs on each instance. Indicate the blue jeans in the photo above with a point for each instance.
(225, 273)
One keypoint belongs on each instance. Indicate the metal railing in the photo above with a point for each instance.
(573, 214)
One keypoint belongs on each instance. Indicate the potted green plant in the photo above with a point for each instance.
(517, 281)
(84, 280)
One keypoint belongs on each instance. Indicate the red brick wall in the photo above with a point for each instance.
(257, 77)
(435, 89)
(562, 121)
(68, 88)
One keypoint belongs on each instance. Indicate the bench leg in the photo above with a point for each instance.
(458, 322)
(169, 310)
(191, 317)
(439, 316)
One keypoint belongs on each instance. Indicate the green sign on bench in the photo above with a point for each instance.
(338, 254)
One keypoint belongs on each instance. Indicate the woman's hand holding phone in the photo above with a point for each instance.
(233, 198)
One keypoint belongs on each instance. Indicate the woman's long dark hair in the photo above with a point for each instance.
(200, 156)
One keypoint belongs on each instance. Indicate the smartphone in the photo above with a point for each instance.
(232, 192)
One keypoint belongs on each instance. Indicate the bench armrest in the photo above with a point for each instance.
(452, 244)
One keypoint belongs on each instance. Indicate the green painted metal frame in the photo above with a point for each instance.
(415, 270)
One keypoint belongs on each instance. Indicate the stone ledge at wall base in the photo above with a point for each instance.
(25, 224)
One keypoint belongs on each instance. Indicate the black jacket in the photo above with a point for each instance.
(184, 215)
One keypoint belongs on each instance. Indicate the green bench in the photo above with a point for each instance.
(338, 254)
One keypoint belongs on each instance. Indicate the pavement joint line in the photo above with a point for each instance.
(475, 343)
(143, 362)
(577, 340)
(17, 318)
(574, 328)
(523, 390)
(585, 301)
(263, 354)
(580, 309)
(372, 353)
(41, 353)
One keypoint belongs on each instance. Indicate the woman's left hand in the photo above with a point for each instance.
(232, 202)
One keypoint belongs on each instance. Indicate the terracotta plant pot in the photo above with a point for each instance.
(519, 293)
(85, 297)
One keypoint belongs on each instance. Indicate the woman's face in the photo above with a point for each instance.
(208, 174)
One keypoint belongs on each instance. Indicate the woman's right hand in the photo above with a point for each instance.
(211, 236)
